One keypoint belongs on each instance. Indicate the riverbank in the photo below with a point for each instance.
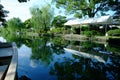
(76, 37)
(97, 39)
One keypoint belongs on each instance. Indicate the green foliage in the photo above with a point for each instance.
(36, 18)
(85, 27)
(91, 33)
(88, 33)
(41, 51)
(12, 37)
(58, 46)
(3, 14)
(90, 8)
(58, 21)
(57, 30)
(113, 48)
(87, 45)
(78, 15)
(3, 30)
(28, 24)
(115, 32)
(14, 25)
(41, 18)
(115, 6)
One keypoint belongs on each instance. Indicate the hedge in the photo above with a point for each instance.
(115, 32)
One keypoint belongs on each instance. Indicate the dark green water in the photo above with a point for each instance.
(41, 58)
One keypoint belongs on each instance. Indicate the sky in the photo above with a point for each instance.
(21, 10)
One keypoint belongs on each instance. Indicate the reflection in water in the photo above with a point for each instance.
(114, 48)
(40, 50)
(2, 39)
(24, 78)
(56, 59)
(34, 63)
(86, 55)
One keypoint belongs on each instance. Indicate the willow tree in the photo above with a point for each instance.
(42, 18)
(89, 8)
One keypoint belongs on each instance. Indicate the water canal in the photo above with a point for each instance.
(43, 58)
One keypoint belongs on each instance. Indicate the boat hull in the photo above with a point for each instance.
(8, 61)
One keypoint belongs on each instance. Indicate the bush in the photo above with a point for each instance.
(3, 31)
(91, 33)
(115, 32)
(57, 30)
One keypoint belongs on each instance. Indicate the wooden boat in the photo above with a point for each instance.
(8, 61)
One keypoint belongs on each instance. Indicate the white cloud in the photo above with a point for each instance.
(20, 10)
(16, 9)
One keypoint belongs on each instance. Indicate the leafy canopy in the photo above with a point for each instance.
(28, 24)
(58, 21)
(3, 14)
(42, 17)
(89, 8)
(14, 24)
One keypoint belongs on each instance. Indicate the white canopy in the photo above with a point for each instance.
(73, 22)
(98, 20)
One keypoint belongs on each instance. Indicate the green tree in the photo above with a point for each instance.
(23, 0)
(115, 6)
(3, 14)
(58, 21)
(28, 24)
(14, 25)
(84, 8)
(42, 17)
(58, 25)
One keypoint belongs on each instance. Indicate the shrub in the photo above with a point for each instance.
(115, 32)
(57, 30)
(91, 33)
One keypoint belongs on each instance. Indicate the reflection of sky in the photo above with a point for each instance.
(37, 70)
(86, 55)
(24, 51)
(23, 60)
(2, 39)
(31, 68)
(62, 57)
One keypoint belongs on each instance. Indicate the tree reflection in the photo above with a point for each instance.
(13, 38)
(113, 48)
(75, 68)
(24, 78)
(40, 50)
(18, 39)
(43, 49)
(87, 69)
(58, 45)
(87, 46)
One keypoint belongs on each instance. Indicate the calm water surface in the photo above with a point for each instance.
(58, 59)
